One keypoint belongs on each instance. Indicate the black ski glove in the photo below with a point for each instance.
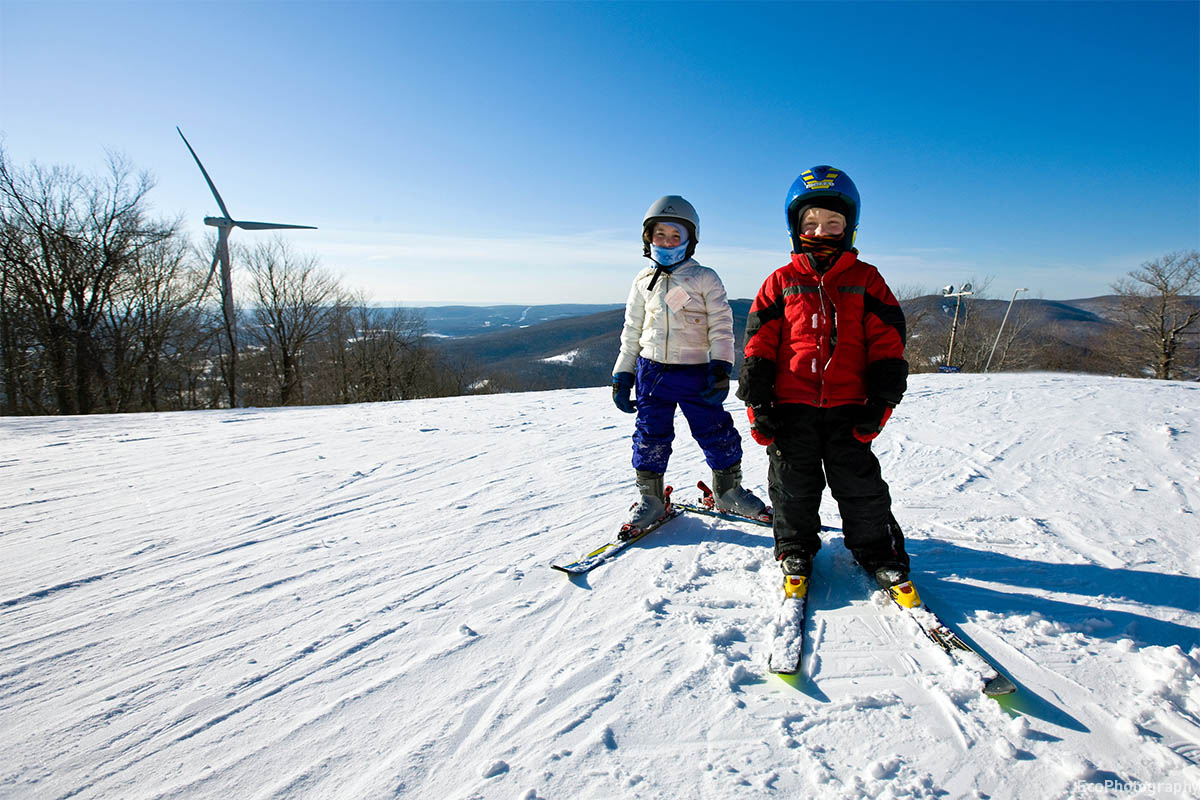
(762, 427)
(870, 419)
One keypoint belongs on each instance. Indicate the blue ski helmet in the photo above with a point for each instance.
(825, 187)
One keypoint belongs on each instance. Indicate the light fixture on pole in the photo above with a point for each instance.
(1006, 312)
(949, 292)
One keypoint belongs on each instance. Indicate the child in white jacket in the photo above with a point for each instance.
(677, 350)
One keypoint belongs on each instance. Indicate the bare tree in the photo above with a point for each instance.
(20, 377)
(375, 354)
(294, 302)
(68, 239)
(102, 309)
(920, 349)
(392, 360)
(1160, 308)
(340, 383)
(1013, 348)
(151, 326)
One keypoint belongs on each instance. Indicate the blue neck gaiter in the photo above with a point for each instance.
(668, 256)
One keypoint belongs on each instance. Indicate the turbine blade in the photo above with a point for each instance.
(211, 270)
(267, 226)
(203, 171)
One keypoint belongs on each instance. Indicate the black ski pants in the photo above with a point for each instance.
(815, 444)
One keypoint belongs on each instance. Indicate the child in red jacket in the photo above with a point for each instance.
(824, 368)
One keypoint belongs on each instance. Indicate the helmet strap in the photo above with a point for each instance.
(659, 269)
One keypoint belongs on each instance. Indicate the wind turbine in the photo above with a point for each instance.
(224, 225)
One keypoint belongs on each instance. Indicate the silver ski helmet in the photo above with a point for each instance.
(824, 187)
(671, 208)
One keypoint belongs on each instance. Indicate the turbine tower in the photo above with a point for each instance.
(224, 225)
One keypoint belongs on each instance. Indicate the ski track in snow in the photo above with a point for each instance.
(355, 601)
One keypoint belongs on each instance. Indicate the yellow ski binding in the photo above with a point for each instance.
(795, 586)
(905, 594)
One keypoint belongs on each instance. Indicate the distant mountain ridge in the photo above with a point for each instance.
(455, 321)
(578, 351)
(566, 353)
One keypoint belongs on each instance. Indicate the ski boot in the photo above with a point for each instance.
(731, 496)
(797, 568)
(893, 579)
(889, 575)
(652, 506)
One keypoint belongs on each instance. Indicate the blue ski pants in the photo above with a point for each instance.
(660, 389)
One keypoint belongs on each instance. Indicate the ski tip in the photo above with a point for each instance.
(783, 671)
(999, 686)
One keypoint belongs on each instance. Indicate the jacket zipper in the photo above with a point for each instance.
(667, 335)
(825, 355)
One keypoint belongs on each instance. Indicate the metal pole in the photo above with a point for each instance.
(953, 328)
(949, 292)
(1002, 322)
(229, 311)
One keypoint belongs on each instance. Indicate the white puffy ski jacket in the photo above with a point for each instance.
(685, 319)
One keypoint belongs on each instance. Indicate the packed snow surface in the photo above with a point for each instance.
(356, 602)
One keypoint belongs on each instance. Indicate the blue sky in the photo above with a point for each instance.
(505, 152)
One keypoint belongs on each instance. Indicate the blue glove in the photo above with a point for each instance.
(716, 389)
(622, 385)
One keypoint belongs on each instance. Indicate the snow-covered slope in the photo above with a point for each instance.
(355, 602)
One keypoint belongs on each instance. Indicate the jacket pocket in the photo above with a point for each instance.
(693, 345)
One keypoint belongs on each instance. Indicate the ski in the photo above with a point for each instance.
(712, 512)
(787, 648)
(707, 505)
(905, 596)
(626, 537)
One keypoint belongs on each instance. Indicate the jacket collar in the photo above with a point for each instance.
(659, 269)
(802, 262)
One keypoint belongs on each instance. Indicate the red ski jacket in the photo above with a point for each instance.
(824, 339)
